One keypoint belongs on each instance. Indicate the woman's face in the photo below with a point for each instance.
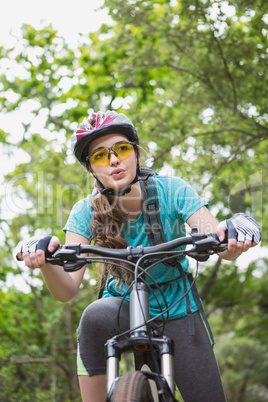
(117, 174)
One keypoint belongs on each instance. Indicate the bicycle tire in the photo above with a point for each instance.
(132, 387)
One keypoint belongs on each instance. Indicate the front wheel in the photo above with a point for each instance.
(132, 387)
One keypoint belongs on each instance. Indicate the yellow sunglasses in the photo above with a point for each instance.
(101, 156)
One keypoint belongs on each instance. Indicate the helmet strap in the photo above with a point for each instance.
(123, 191)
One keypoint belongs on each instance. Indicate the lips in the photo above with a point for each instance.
(117, 172)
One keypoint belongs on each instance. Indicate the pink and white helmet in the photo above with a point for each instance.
(98, 125)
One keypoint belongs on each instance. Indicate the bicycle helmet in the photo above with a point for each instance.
(98, 125)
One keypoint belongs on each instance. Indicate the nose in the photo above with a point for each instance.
(114, 160)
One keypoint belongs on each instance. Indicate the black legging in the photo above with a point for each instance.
(196, 371)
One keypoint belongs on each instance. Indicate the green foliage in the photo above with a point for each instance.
(193, 78)
(38, 345)
(243, 365)
(237, 307)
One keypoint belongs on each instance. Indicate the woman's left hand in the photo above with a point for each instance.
(242, 233)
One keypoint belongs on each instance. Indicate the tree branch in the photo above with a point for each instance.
(164, 152)
(228, 130)
(248, 144)
(24, 361)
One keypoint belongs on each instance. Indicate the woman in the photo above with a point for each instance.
(107, 145)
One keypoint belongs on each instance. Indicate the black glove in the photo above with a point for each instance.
(33, 244)
(242, 227)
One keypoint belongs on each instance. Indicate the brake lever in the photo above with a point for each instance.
(69, 258)
(204, 246)
(75, 266)
(198, 256)
(60, 256)
(65, 254)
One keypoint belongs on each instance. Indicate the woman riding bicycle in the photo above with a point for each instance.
(113, 216)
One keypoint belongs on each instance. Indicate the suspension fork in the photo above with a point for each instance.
(138, 316)
(139, 340)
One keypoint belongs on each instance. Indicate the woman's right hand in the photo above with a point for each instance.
(32, 251)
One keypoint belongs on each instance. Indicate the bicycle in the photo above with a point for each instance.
(134, 386)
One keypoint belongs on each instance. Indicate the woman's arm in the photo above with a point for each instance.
(62, 285)
(205, 222)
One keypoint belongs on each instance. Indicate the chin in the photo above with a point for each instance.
(120, 184)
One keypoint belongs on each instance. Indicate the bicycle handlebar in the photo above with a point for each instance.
(70, 258)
